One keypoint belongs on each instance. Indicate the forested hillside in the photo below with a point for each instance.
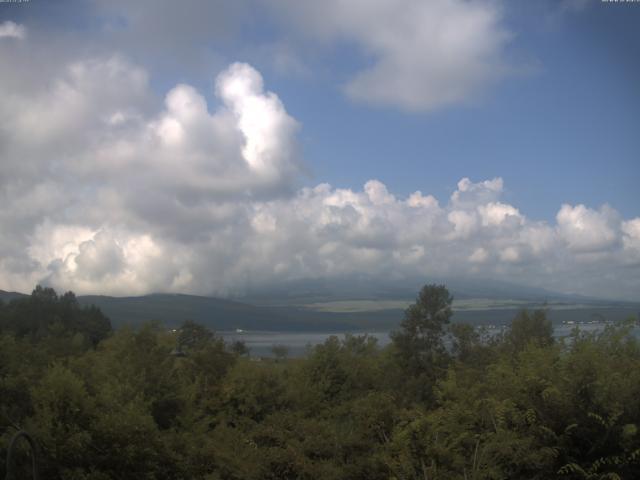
(160, 404)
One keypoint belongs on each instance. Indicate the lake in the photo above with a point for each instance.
(298, 343)
(260, 343)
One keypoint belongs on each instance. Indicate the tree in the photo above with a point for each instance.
(529, 328)
(44, 314)
(194, 335)
(239, 348)
(281, 352)
(419, 345)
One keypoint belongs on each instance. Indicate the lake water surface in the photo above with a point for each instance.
(298, 343)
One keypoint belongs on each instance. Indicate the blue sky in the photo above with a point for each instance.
(566, 124)
(564, 130)
(541, 95)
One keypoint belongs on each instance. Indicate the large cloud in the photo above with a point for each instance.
(107, 189)
(325, 232)
(421, 55)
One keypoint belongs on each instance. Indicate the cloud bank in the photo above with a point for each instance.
(106, 189)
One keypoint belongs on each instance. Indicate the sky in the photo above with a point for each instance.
(212, 147)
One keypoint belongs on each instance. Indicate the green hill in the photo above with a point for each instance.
(219, 314)
(173, 309)
(8, 296)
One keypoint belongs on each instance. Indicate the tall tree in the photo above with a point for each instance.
(527, 328)
(419, 346)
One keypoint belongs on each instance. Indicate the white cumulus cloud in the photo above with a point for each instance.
(107, 190)
(588, 230)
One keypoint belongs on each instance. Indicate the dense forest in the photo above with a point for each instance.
(442, 401)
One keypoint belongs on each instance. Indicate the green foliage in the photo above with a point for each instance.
(44, 314)
(519, 405)
(239, 348)
(529, 328)
(193, 335)
(280, 351)
(419, 345)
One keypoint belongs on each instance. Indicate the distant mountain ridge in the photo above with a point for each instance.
(173, 309)
(8, 296)
(289, 307)
(360, 287)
